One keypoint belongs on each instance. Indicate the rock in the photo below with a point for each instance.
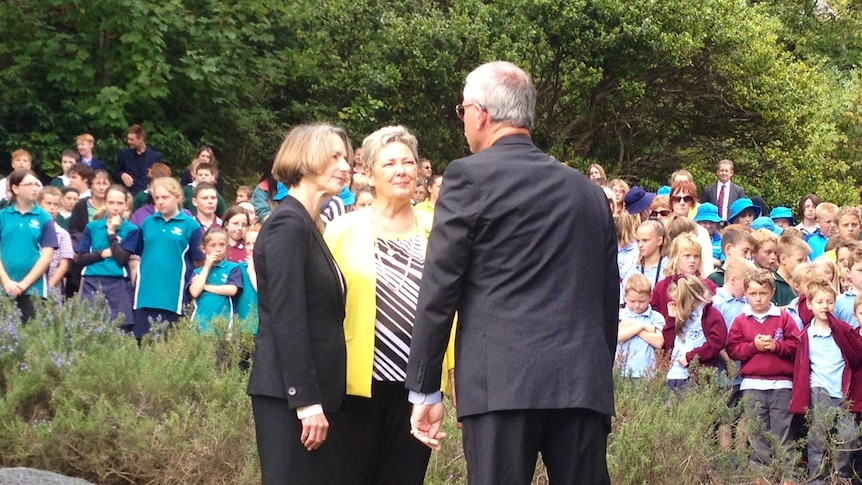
(32, 476)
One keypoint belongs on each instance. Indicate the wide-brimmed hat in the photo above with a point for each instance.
(782, 213)
(740, 205)
(766, 223)
(707, 212)
(638, 200)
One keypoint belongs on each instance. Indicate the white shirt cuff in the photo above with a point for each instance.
(309, 411)
(419, 398)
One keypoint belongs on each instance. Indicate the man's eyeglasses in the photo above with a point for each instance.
(662, 213)
(459, 109)
(682, 198)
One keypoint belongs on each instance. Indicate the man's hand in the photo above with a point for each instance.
(127, 179)
(425, 423)
(314, 429)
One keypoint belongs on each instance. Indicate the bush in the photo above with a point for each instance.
(78, 397)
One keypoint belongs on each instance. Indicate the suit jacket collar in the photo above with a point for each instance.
(513, 140)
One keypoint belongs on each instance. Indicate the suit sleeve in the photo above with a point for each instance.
(286, 250)
(611, 289)
(448, 260)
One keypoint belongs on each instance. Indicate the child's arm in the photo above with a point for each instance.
(738, 346)
(715, 332)
(787, 348)
(223, 290)
(199, 281)
(62, 268)
(252, 273)
(628, 330)
(46, 254)
(652, 336)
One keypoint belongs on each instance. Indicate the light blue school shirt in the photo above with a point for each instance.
(729, 306)
(209, 306)
(792, 309)
(22, 237)
(246, 302)
(636, 355)
(817, 242)
(827, 363)
(168, 249)
(844, 307)
(692, 338)
(95, 239)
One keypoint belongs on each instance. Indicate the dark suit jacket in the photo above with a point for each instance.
(710, 194)
(524, 249)
(300, 355)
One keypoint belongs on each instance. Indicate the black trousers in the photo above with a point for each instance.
(283, 458)
(378, 447)
(26, 305)
(501, 447)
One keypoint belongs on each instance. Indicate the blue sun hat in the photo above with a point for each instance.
(783, 213)
(638, 200)
(663, 190)
(707, 212)
(766, 223)
(740, 205)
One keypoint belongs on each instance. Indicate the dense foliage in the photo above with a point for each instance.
(640, 87)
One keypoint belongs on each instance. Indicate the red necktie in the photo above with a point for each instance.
(721, 202)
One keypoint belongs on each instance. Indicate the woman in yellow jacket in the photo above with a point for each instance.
(381, 251)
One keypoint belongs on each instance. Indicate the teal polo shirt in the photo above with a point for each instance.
(22, 237)
(168, 249)
(209, 306)
(95, 240)
(246, 303)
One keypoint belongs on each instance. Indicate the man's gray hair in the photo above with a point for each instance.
(505, 91)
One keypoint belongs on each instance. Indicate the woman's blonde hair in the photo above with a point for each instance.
(684, 243)
(836, 271)
(306, 150)
(374, 143)
(688, 292)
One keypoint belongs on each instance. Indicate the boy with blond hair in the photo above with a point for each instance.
(765, 249)
(640, 327)
(792, 251)
(845, 302)
(825, 214)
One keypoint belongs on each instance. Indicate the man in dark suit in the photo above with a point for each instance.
(724, 192)
(524, 249)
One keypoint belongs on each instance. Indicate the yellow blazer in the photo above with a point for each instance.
(351, 240)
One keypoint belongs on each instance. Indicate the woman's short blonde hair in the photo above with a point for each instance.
(306, 150)
(374, 143)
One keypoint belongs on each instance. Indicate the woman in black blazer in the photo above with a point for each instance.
(298, 373)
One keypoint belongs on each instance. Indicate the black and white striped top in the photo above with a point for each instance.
(399, 265)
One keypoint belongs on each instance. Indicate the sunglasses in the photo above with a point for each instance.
(662, 213)
(682, 198)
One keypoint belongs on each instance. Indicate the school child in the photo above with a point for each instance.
(639, 333)
(215, 284)
(791, 252)
(684, 259)
(104, 252)
(86, 207)
(249, 209)
(743, 211)
(782, 217)
(826, 214)
(49, 201)
(764, 339)
(831, 271)
(246, 301)
(21, 160)
(627, 253)
(698, 333)
(80, 178)
(729, 299)
(170, 245)
(736, 242)
(27, 243)
(845, 304)
(803, 274)
(651, 259)
(235, 222)
(68, 199)
(205, 201)
(765, 249)
(849, 222)
(708, 218)
(243, 194)
(826, 375)
(67, 160)
(204, 173)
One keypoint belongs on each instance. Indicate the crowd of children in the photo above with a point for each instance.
(779, 318)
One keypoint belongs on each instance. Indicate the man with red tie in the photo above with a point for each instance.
(723, 192)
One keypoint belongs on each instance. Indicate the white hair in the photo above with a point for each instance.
(505, 91)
